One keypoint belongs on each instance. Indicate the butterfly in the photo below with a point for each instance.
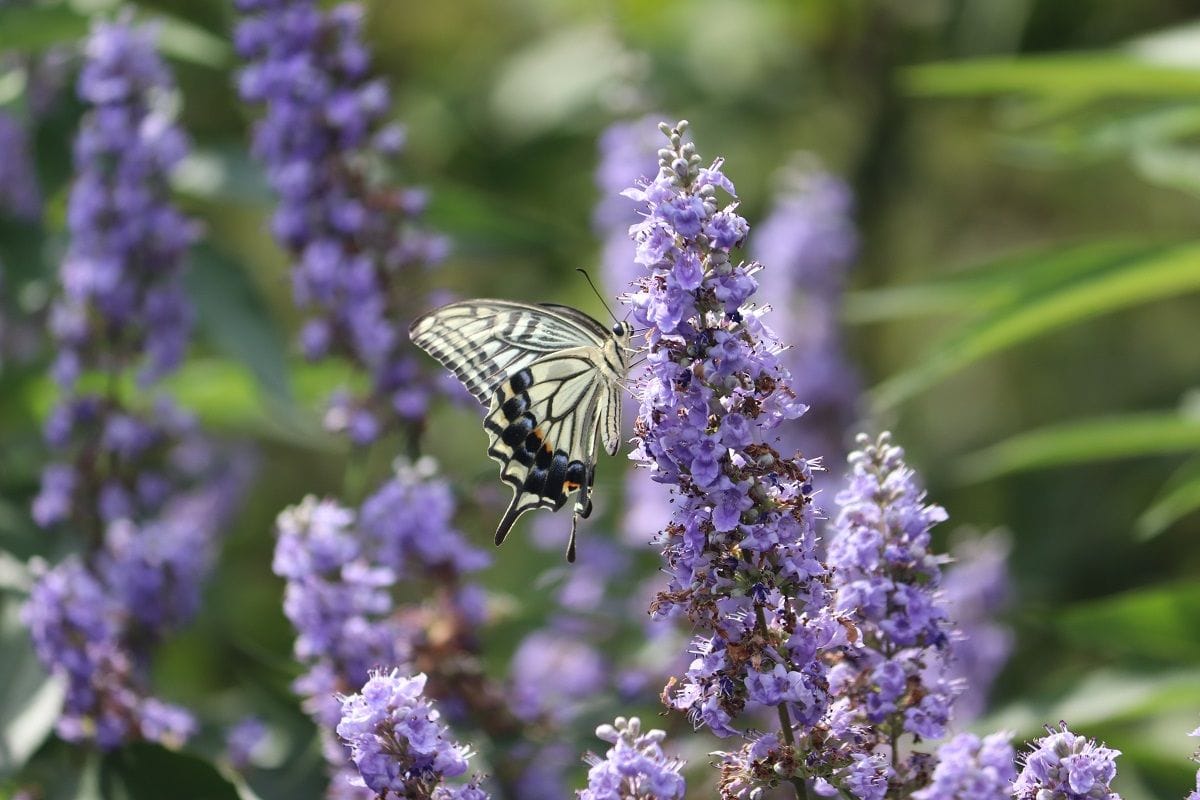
(551, 378)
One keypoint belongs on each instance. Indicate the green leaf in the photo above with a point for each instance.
(1099, 697)
(33, 28)
(151, 772)
(30, 700)
(1076, 76)
(234, 317)
(1154, 623)
(989, 285)
(1082, 442)
(1060, 295)
(1180, 497)
(186, 41)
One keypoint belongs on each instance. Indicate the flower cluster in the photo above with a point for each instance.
(976, 588)
(341, 566)
(355, 241)
(970, 768)
(809, 242)
(1196, 794)
(634, 768)
(892, 678)
(20, 194)
(149, 492)
(1065, 766)
(397, 743)
(740, 547)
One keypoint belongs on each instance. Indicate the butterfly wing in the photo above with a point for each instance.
(544, 422)
(484, 341)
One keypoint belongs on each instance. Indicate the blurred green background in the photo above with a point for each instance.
(1027, 175)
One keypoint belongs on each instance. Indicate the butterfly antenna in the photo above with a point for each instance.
(603, 302)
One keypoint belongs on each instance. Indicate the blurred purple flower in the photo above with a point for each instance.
(634, 768)
(809, 243)
(341, 566)
(356, 244)
(970, 768)
(243, 740)
(976, 588)
(20, 194)
(148, 489)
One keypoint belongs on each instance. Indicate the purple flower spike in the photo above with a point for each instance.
(398, 744)
(356, 244)
(1067, 766)
(634, 768)
(970, 768)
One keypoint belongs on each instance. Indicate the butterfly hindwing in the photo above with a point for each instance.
(550, 375)
(543, 424)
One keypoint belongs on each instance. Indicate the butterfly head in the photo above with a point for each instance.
(623, 335)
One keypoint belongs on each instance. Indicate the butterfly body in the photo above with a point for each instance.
(550, 376)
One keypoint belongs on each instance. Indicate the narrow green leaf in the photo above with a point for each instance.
(1157, 623)
(988, 285)
(1081, 442)
(30, 700)
(186, 41)
(1099, 697)
(33, 28)
(151, 772)
(234, 317)
(1180, 497)
(1076, 76)
(1047, 301)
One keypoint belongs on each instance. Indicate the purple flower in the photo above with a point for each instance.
(634, 767)
(976, 587)
(809, 243)
(356, 245)
(1196, 794)
(243, 740)
(397, 742)
(1065, 765)
(970, 768)
(739, 548)
(20, 194)
(144, 484)
(553, 675)
(886, 581)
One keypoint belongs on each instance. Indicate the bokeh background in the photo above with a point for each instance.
(1023, 308)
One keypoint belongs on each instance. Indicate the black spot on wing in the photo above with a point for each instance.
(518, 431)
(521, 381)
(515, 406)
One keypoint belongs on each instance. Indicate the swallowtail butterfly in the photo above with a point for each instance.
(550, 376)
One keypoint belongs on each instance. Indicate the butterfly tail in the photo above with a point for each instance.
(509, 519)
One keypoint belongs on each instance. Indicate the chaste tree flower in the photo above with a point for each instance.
(634, 768)
(970, 768)
(809, 242)
(891, 679)
(355, 240)
(341, 567)
(740, 548)
(1065, 766)
(398, 744)
(140, 482)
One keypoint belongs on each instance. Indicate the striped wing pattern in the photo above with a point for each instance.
(484, 341)
(542, 370)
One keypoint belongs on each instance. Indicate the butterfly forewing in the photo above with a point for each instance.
(549, 374)
(484, 341)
